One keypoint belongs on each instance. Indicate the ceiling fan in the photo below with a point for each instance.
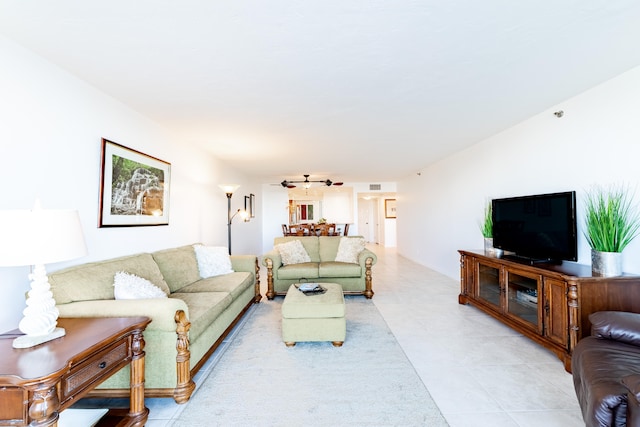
(307, 183)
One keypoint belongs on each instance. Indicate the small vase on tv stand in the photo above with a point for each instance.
(606, 264)
(490, 250)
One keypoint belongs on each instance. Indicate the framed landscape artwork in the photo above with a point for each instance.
(134, 188)
(390, 208)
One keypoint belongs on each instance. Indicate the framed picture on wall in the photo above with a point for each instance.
(307, 212)
(134, 188)
(389, 208)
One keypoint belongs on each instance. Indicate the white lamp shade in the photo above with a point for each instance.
(229, 188)
(40, 236)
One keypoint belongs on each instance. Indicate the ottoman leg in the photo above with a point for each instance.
(337, 343)
(289, 343)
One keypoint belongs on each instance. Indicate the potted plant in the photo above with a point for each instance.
(611, 223)
(486, 227)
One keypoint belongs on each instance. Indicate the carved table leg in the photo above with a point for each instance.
(44, 406)
(138, 413)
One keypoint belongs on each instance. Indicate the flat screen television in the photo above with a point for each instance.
(537, 228)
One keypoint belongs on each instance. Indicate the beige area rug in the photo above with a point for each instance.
(258, 381)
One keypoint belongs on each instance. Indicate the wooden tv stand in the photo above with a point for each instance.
(548, 303)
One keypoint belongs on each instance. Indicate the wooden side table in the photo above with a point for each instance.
(37, 383)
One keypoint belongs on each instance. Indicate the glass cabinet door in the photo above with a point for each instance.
(489, 284)
(523, 296)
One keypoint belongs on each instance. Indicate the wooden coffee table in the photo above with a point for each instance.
(37, 383)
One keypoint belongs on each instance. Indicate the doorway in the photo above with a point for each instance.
(368, 222)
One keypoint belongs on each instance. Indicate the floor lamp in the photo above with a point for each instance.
(228, 190)
(37, 237)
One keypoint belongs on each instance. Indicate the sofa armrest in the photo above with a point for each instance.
(273, 261)
(244, 263)
(366, 258)
(616, 325)
(249, 264)
(362, 257)
(161, 311)
(274, 256)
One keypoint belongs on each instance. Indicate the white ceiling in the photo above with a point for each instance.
(366, 90)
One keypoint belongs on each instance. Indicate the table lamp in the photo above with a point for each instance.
(37, 237)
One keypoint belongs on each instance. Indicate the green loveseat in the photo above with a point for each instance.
(186, 327)
(355, 278)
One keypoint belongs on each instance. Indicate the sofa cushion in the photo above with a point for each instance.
(94, 281)
(322, 306)
(234, 283)
(178, 266)
(213, 260)
(204, 308)
(339, 269)
(293, 253)
(310, 243)
(328, 247)
(308, 270)
(130, 286)
(349, 249)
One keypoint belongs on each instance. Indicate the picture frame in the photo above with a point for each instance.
(134, 188)
(390, 208)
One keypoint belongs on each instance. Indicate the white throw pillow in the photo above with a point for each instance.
(293, 252)
(130, 286)
(213, 260)
(349, 249)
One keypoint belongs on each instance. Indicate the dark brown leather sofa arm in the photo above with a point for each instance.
(616, 325)
(606, 370)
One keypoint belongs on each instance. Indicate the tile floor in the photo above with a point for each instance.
(479, 372)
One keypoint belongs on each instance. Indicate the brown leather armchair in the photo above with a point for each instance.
(606, 370)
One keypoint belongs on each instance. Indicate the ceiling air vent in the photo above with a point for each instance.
(373, 187)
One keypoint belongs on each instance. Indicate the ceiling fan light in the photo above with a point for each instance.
(307, 183)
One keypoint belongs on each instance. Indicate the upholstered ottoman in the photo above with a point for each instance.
(317, 317)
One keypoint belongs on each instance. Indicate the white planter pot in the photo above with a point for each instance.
(606, 264)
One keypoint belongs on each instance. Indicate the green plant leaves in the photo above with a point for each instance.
(486, 227)
(611, 222)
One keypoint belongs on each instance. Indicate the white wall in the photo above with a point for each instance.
(596, 142)
(274, 213)
(50, 140)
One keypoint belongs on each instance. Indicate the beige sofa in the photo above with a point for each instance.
(355, 278)
(186, 327)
